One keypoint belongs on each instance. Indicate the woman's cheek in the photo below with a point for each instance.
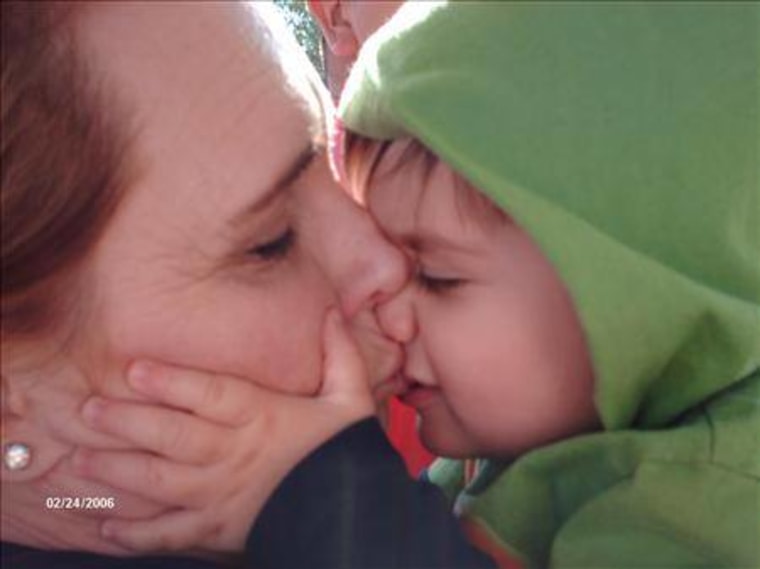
(264, 340)
(289, 359)
(276, 345)
(291, 327)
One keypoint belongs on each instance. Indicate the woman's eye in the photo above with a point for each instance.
(276, 249)
(437, 285)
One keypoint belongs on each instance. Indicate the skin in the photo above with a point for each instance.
(345, 25)
(496, 362)
(242, 293)
(229, 249)
(211, 427)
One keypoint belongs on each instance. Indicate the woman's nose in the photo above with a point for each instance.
(375, 270)
(396, 317)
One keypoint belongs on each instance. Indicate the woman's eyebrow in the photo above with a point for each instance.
(284, 180)
(293, 171)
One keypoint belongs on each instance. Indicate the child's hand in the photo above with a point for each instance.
(216, 447)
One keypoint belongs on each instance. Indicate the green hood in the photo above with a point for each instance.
(624, 138)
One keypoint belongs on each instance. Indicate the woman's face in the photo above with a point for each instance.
(233, 240)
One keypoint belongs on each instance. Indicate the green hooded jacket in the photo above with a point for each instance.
(624, 138)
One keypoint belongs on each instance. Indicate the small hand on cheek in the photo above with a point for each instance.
(198, 428)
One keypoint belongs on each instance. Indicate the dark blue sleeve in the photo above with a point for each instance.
(351, 505)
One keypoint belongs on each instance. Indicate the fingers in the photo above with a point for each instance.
(345, 375)
(145, 475)
(169, 432)
(343, 363)
(173, 531)
(226, 399)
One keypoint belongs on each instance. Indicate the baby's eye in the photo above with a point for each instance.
(276, 249)
(437, 285)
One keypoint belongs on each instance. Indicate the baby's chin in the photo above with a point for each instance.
(442, 442)
(445, 450)
(441, 435)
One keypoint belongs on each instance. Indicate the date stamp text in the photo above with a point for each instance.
(80, 503)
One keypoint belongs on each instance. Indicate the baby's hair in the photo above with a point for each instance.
(363, 156)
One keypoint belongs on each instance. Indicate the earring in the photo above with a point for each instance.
(16, 456)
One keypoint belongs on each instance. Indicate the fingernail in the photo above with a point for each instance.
(138, 376)
(93, 409)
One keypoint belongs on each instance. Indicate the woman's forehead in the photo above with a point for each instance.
(218, 106)
(195, 50)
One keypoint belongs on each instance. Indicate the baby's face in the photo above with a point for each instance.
(496, 362)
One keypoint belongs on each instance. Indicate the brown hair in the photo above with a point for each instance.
(363, 156)
(63, 165)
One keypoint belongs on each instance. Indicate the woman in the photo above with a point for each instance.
(164, 195)
(676, 356)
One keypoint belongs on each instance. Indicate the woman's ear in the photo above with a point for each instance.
(336, 29)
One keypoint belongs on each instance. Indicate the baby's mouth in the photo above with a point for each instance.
(417, 393)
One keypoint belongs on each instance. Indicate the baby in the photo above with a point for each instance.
(580, 204)
(575, 186)
(495, 358)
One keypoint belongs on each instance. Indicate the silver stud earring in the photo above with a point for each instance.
(16, 456)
